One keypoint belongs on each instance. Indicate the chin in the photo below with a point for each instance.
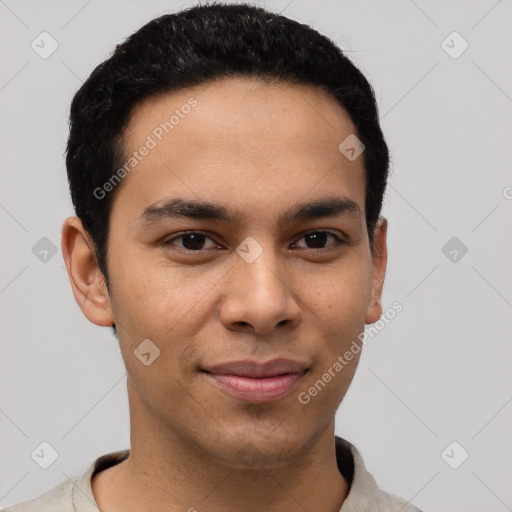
(250, 450)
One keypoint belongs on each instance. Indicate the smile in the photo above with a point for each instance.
(257, 382)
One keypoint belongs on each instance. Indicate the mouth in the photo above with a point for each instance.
(256, 382)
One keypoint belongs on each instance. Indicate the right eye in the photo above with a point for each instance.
(192, 241)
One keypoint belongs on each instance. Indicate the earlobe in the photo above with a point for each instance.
(379, 263)
(87, 282)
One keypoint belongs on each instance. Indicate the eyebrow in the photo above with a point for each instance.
(194, 209)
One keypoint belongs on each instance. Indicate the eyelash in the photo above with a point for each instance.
(338, 241)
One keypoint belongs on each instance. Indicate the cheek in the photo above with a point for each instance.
(159, 304)
(338, 307)
(340, 295)
(155, 299)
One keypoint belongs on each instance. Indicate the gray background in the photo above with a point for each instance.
(438, 373)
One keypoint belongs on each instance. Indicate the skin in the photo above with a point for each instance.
(258, 148)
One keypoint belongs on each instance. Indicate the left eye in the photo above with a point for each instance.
(318, 239)
(194, 240)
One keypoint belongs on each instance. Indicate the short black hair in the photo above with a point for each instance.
(192, 47)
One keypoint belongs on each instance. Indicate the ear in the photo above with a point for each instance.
(87, 281)
(379, 262)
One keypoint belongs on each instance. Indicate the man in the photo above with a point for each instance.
(227, 169)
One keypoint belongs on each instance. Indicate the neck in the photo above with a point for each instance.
(167, 473)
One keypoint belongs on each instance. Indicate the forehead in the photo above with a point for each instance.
(243, 108)
(240, 141)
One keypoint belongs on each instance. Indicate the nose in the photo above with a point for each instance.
(259, 296)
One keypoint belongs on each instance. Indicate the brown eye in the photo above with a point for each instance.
(319, 239)
(193, 241)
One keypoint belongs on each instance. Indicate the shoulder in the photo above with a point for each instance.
(58, 499)
(74, 494)
(387, 502)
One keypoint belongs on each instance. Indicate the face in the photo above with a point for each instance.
(238, 247)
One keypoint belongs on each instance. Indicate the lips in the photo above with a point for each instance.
(252, 381)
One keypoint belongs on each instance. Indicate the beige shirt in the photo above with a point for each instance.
(75, 495)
